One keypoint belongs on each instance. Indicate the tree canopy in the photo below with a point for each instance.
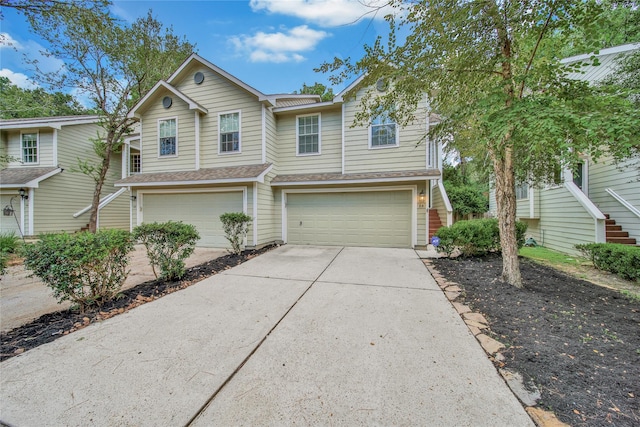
(325, 93)
(111, 62)
(17, 103)
(492, 70)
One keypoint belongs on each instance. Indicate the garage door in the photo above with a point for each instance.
(200, 209)
(375, 218)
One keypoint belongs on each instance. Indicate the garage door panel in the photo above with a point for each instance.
(376, 218)
(203, 210)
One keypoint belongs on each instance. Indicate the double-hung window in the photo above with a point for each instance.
(230, 132)
(29, 147)
(168, 137)
(522, 191)
(384, 132)
(308, 132)
(134, 163)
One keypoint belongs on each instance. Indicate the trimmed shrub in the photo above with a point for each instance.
(168, 244)
(622, 260)
(475, 237)
(8, 245)
(235, 226)
(84, 268)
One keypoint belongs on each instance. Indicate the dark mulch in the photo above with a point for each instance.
(578, 342)
(51, 326)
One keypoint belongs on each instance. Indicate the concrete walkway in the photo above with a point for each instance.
(299, 335)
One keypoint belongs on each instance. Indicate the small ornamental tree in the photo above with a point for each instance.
(84, 268)
(235, 225)
(168, 245)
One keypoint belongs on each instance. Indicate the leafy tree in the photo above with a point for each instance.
(17, 103)
(491, 69)
(114, 64)
(325, 93)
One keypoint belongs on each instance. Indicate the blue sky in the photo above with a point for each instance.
(272, 45)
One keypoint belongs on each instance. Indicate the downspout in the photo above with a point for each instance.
(342, 136)
(197, 136)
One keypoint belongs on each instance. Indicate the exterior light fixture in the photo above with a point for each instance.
(133, 198)
(421, 197)
(7, 211)
(23, 194)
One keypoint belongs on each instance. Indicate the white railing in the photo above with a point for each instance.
(104, 202)
(623, 202)
(447, 203)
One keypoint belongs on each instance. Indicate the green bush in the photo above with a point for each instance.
(8, 245)
(168, 244)
(622, 260)
(84, 268)
(475, 237)
(235, 226)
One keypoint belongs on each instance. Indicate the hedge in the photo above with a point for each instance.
(623, 260)
(475, 237)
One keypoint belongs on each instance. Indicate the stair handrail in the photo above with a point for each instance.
(103, 202)
(623, 202)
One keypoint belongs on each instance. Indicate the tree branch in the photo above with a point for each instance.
(535, 49)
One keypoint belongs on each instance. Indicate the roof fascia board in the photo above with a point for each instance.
(190, 102)
(34, 183)
(182, 183)
(340, 96)
(47, 122)
(602, 52)
(354, 181)
(321, 105)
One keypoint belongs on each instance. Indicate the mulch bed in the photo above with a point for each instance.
(578, 342)
(51, 326)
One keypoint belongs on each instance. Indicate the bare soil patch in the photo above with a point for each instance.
(577, 341)
(51, 326)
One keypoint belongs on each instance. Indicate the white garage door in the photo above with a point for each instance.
(200, 209)
(374, 218)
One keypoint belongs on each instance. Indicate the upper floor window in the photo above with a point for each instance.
(29, 147)
(168, 137)
(308, 132)
(229, 132)
(383, 132)
(522, 191)
(134, 163)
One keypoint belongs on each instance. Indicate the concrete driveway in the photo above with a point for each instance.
(299, 335)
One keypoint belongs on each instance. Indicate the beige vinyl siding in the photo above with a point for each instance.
(8, 224)
(330, 158)
(523, 208)
(625, 181)
(271, 139)
(407, 156)
(563, 221)
(74, 142)
(218, 95)
(185, 159)
(45, 147)
(269, 229)
(116, 213)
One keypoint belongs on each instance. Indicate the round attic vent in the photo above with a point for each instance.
(167, 101)
(381, 85)
(198, 77)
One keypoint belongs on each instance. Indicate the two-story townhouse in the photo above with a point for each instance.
(210, 144)
(600, 201)
(40, 188)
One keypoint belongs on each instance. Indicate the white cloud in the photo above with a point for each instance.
(281, 46)
(8, 42)
(18, 79)
(327, 13)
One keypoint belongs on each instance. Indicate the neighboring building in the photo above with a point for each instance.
(600, 203)
(210, 144)
(55, 197)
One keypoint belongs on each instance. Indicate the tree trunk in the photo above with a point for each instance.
(506, 203)
(104, 168)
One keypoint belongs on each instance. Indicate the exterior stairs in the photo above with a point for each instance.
(615, 234)
(434, 222)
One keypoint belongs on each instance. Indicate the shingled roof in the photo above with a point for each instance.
(221, 175)
(352, 178)
(25, 176)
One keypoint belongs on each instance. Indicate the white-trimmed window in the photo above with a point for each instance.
(134, 163)
(229, 125)
(29, 145)
(167, 137)
(383, 133)
(308, 134)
